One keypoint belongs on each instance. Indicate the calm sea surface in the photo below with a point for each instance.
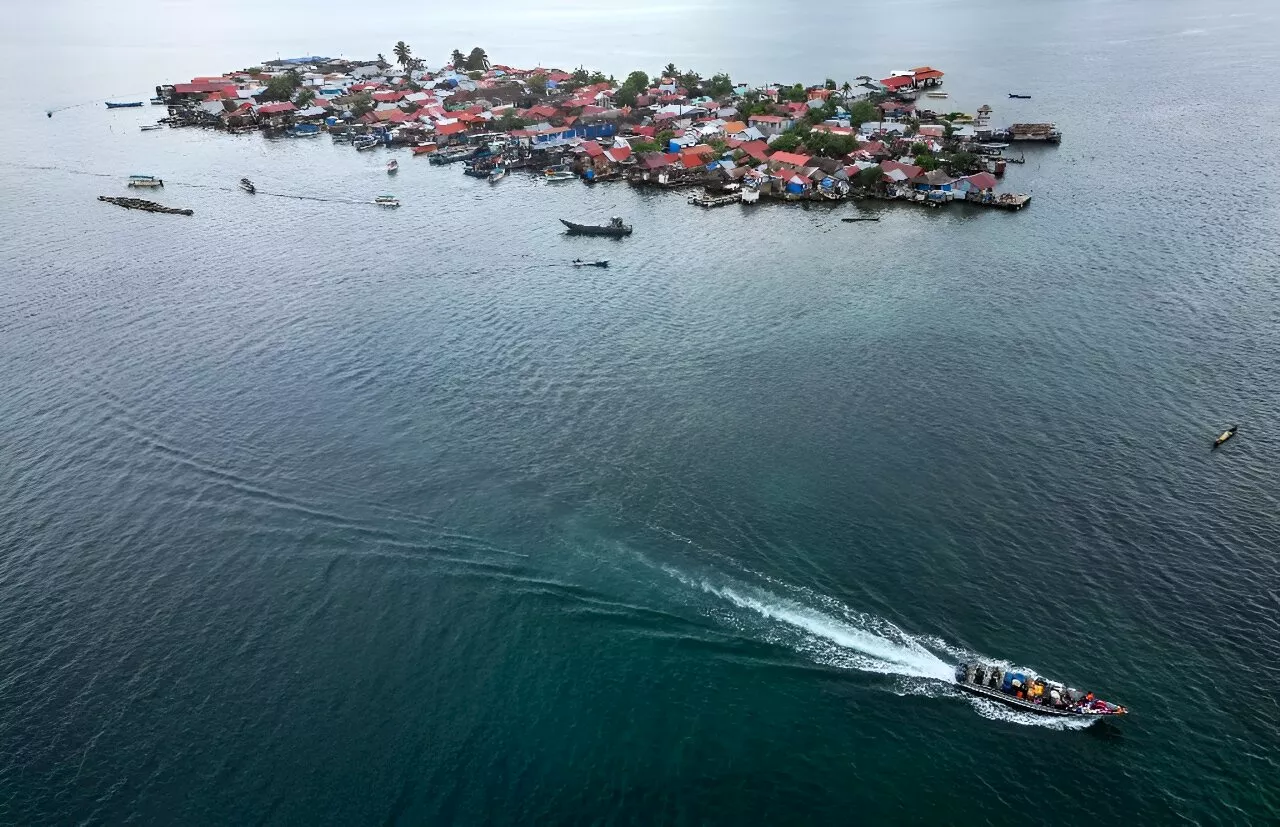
(318, 513)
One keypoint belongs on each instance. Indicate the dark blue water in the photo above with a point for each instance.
(316, 512)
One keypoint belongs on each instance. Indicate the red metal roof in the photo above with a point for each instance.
(203, 87)
(898, 82)
(619, 154)
(276, 108)
(764, 119)
(927, 73)
(388, 97)
(592, 148)
(451, 128)
(910, 170)
(791, 158)
(983, 181)
(756, 149)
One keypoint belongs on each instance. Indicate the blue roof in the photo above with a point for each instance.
(312, 59)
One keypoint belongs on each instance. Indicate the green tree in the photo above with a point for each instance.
(870, 178)
(637, 80)
(538, 84)
(962, 161)
(597, 77)
(788, 141)
(382, 61)
(670, 71)
(281, 87)
(477, 61)
(820, 114)
(719, 86)
(646, 146)
(846, 88)
(919, 148)
(253, 71)
(509, 121)
(927, 162)
(794, 93)
(863, 112)
(690, 81)
(458, 59)
(625, 96)
(580, 76)
(403, 54)
(361, 104)
(829, 84)
(663, 138)
(304, 98)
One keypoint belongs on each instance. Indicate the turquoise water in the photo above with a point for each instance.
(318, 512)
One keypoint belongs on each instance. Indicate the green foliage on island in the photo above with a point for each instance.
(404, 55)
(788, 141)
(281, 87)
(477, 61)
(361, 104)
(870, 177)
(538, 84)
(863, 112)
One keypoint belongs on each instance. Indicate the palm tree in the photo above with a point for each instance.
(458, 59)
(477, 61)
(403, 53)
(845, 88)
(670, 70)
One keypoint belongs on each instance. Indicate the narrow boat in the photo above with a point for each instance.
(1031, 693)
(422, 149)
(861, 218)
(151, 127)
(1020, 97)
(131, 105)
(157, 101)
(449, 156)
(497, 174)
(614, 228)
(557, 174)
(145, 181)
(1224, 436)
(392, 166)
(937, 95)
(604, 262)
(365, 142)
(387, 201)
(247, 186)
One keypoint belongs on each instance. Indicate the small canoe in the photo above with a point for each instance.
(130, 105)
(577, 262)
(151, 127)
(861, 218)
(1224, 436)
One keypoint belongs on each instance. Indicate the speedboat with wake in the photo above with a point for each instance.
(1031, 693)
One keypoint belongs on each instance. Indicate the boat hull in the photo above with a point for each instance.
(591, 229)
(124, 105)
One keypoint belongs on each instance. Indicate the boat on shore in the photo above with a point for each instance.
(151, 127)
(387, 201)
(1020, 97)
(392, 166)
(604, 262)
(615, 228)
(145, 181)
(129, 105)
(422, 149)
(1031, 693)
(1224, 436)
(247, 186)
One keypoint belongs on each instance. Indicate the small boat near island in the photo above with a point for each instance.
(615, 228)
(145, 181)
(450, 156)
(861, 218)
(1224, 436)
(247, 186)
(557, 174)
(157, 101)
(937, 94)
(387, 201)
(1020, 97)
(151, 127)
(604, 262)
(1031, 693)
(130, 105)
(422, 149)
(392, 166)
(497, 174)
(366, 142)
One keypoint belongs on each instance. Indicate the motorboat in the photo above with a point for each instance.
(422, 149)
(387, 201)
(1020, 97)
(392, 166)
(449, 156)
(1032, 693)
(614, 228)
(145, 181)
(366, 142)
(1224, 436)
(497, 174)
(247, 186)
(577, 262)
(556, 174)
(151, 127)
(130, 105)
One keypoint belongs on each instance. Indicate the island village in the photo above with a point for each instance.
(889, 138)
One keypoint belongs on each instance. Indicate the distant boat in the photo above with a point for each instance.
(145, 181)
(614, 228)
(151, 127)
(387, 201)
(247, 186)
(365, 142)
(861, 218)
(577, 262)
(392, 166)
(497, 174)
(157, 101)
(937, 95)
(422, 149)
(1225, 435)
(131, 105)
(1022, 97)
(556, 174)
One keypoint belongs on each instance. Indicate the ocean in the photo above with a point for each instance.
(321, 513)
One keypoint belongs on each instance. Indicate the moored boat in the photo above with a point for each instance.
(604, 262)
(247, 186)
(145, 181)
(937, 95)
(1225, 435)
(422, 149)
(452, 155)
(387, 201)
(614, 228)
(157, 101)
(365, 142)
(130, 105)
(1031, 693)
(151, 127)
(497, 174)
(560, 173)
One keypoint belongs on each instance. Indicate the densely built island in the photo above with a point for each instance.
(825, 142)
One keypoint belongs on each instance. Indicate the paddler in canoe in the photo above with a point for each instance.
(1225, 435)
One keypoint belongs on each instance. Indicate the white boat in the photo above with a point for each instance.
(365, 142)
(750, 195)
(387, 201)
(555, 174)
(392, 166)
(151, 127)
(937, 95)
(497, 174)
(145, 181)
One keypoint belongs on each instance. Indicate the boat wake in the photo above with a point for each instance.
(829, 633)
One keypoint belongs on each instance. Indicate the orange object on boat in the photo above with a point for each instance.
(423, 149)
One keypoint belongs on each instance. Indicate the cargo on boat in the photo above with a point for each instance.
(1031, 693)
(614, 228)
